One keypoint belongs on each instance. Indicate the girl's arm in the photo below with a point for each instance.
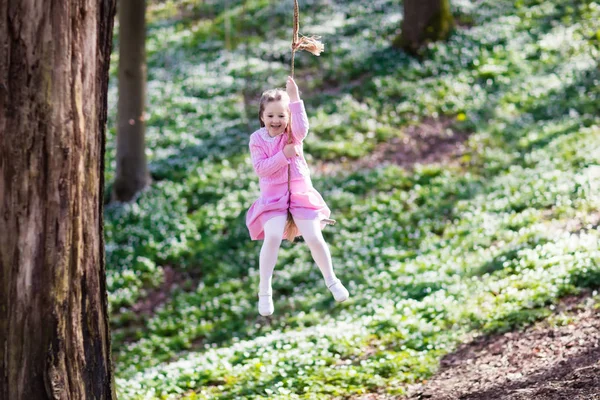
(299, 119)
(266, 166)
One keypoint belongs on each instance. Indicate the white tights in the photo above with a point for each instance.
(311, 232)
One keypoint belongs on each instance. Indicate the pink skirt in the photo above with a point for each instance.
(306, 203)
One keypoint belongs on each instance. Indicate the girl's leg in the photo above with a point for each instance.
(311, 232)
(268, 253)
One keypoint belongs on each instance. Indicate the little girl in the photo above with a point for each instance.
(266, 219)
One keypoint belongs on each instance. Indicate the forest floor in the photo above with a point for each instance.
(554, 359)
(557, 358)
(431, 141)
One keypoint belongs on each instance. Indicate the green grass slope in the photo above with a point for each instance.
(431, 255)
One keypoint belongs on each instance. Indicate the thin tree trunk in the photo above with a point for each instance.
(132, 170)
(424, 21)
(54, 330)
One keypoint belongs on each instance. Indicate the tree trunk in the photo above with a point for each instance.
(132, 170)
(54, 330)
(424, 21)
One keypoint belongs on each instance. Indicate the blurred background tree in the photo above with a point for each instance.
(132, 173)
(424, 21)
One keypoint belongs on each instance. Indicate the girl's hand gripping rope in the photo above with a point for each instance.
(291, 150)
(292, 89)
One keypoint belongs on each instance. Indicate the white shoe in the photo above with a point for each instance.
(340, 293)
(265, 304)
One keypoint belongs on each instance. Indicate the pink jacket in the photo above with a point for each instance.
(269, 162)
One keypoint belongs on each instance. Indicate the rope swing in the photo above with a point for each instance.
(314, 46)
(310, 44)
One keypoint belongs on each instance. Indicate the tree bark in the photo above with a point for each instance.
(132, 170)
(424, 21)
(54, 329)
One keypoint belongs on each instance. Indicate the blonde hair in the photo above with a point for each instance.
(270, 96)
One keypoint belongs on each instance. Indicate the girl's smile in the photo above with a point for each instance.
(276, 117)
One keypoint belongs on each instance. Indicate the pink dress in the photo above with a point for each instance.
(271, 166)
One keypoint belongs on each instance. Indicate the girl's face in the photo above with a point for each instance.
(276, 117)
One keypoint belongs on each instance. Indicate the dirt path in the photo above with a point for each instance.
(431, 141)
(558, 358)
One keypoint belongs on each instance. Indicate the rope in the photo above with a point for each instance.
(295, 39)
(314, 46)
